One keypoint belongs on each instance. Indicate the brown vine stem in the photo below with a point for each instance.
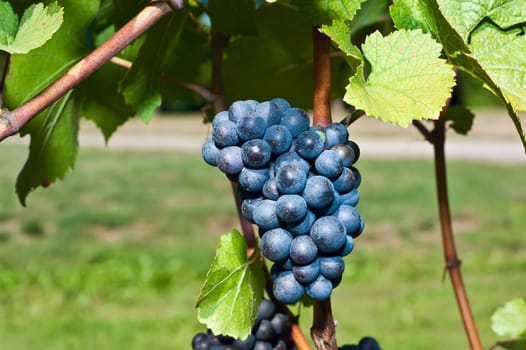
(10, 123)
(323, 330)
(450, 252)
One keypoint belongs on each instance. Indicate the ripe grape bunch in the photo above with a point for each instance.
(271, 331)
(298, 185)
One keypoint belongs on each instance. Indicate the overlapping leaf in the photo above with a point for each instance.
(324, 11)
(510, 319)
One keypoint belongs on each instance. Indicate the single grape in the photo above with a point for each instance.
(269, 112)
(348, 246)
(320, 289)
(252, 104)
(302, 227)
(266, 310)
(279, 138)
(219, 117)
(238, 110)
(281, 345)
(255, 153)
(332, 267)
(286, 289)
(270, 189)
(336, 133)
(264, 215)
(279, 323)
(275, 244)
(350, 198)
(198, 338)
(252, 180)
(350, 218)
(265, 331)
(328, 233)
(303, 250)
(358, 177)
(346, 154)
(291, 208)
(345, 182)
(224, 134)
(318, 192)
(309, 144)
(306, 274)
(262, 345)
(229, 160)
(369, 343)
(201, 345)
(296, 120)
(331, 208)
(355, 148)
(290, 179)
(251, 127)
(292, 158)
(245, 344)
(329, 164)
(281, 103)
(210, 152)
(247, 207)
(213, 341)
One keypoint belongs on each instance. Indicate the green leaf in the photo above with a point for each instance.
(233, 289)
(465, 16)
(513, 344)
(371, 12)
(231, 17)
(8, 25)
(140, 86)
(503, 56)
(319, 12)
(510, 319)
(274, 64)
(408, 80)
(125, 10)
(53, 147)
(38, 24)
(461, 118)
(340, 33)
(406, 14)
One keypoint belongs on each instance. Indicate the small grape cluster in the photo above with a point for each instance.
(366, 343)
(298, 185)
(271, 331)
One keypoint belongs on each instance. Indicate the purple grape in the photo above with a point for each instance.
(279, 138)
(328, 233)
(286, 289)
(275, 244)
(291, 208)
(264, 215)
(329, 164)
(251, 127)
(264, 331)
(345, 182)
(224, 134)
(346, 154)
(320, 289)
(303, 250)
(318, 192)
(290, 179)
(309, 144)
(255, 153)
(229, 160)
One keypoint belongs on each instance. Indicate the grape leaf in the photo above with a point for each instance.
(406, 14)
(503, 56)
(38, 24)
(513, 344)
(371, 12)
(408, 80)
(32, 72)
(140, 86)
(231, 17)
(233, 289)
(8, 24)
(319, 12)
(510, 319)
(340, 33)
(465, 16)
(461, 118)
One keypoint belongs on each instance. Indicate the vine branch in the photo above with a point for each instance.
(323, 330)
(11, 122)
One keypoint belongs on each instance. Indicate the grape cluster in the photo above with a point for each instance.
(271, 331)
(298, 185)
(366, 343)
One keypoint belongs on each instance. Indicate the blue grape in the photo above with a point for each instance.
(238, 110)
(290, 179)
(302, 227)
(360, 230)
(264, 331)
(286, 264)
(369, 343)
(329, 164)
(286, 289)
(279, 323)
(229, 160)
(210, 152)
(306, 274)
(355, 148)
(291, 208)
(318, 192)
(247, 207)
(296, 120)
(281, 345)
(358, 177)
(252, 180)
(224, 134)
(309, 144)
(245, 344)
(346, 154)
(262, 345)
(348, 246)
(282, 104)
(303, 250)
(328, 233)
(331, 208)
(292, 158)
(349, 217)
(335, 134)
(251, 127)
(332, 267)
(320, 289)
(199, 338)
(219, 117)
(345, 182)
(275, 244)
(265, 310)
(270, 189)
(255, 153)
(252, 104)
(279, 138)
(265, 216)
(269, 112)
(350, 198)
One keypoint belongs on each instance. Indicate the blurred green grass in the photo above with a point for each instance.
(113, 256)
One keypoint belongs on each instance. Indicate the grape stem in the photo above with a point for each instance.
(11, 122)
(323, 330)
(437, 138)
